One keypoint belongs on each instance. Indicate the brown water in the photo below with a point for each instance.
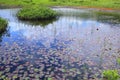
(77, 45)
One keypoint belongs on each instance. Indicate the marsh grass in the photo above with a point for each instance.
(3, 25)
(36, 13)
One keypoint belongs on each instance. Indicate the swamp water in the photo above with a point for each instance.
(78, 45)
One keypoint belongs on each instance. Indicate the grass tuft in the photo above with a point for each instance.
(36, 13)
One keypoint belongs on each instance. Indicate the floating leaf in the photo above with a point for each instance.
(50, 79)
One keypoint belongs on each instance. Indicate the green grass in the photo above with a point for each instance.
(89, 3)
(111, 75)
(36, 13)
(3, 25)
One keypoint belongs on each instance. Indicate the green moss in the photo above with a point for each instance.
(3, 25)
(36, 13)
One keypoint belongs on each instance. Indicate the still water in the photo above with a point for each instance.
(77, 45)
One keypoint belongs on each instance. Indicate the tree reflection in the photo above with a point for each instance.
(109, 17)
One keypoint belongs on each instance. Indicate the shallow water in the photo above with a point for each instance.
(78, 45)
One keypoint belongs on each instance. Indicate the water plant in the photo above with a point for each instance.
(36, 13)
(118, 61)
(50, 79)
(111, 75)
(3, 25)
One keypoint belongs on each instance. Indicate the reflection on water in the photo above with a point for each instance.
(76, 46)
(108, 17)
(42, 23)
(4, 33)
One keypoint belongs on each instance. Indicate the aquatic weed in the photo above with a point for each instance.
(111, 74)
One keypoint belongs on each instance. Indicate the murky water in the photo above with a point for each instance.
(78, 45)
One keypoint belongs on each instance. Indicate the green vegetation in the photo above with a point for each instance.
(111, 75)
(36, 13)
(86, 3)
(50, 79)
(108, 17)
(3, 25)
(118, 61)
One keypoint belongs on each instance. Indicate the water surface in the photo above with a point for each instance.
(78, 45)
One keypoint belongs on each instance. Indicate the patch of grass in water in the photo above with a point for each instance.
(36, 13)
(3, 25)
(111, 75)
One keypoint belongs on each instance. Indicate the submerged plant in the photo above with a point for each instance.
(111, 75)
(36, 13)
(118, 61)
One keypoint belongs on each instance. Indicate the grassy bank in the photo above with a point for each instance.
(3, 25)
(115, 4)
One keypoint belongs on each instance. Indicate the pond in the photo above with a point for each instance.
(78, 45)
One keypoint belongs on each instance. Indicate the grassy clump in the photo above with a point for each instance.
(36, 13)
(3, 25)
(111, 75)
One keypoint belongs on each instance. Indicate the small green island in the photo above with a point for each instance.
(3, 25)
(36, 13)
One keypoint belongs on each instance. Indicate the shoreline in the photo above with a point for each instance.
(75, 7)
(86, 7)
